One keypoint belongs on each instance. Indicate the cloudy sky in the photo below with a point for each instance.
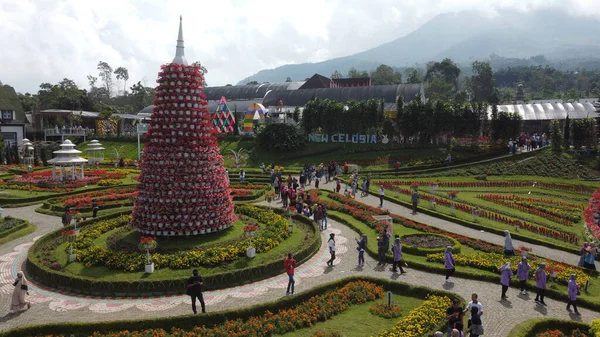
(47, 40)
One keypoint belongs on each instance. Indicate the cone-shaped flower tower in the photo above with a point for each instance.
(183, 189)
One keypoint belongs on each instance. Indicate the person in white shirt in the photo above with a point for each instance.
(331, 243)
(381, 194)
(475, 324)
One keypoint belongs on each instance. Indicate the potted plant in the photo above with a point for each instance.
(71, 235)
(148, 243)
(250, 229)
(524, 250)
(251, 251)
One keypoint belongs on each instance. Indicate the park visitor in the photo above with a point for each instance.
(458, 330)
(242, 176)
(414, 198)
(194, 290)
(590, 257)
(381, 194)
(397, 251)
(362, 245)
(573, 291)
(66, 217)
(364, 191)
(338, 185)
(505, 275)
(475, 324)
(227, 175)
(449, 263)
(381, 250)
(453, 315)
(317, 179)
(448, 159)
(540, 283)
(331, 243)
(290, 264)
(509, 250)
(18, 302)
(438, 334)
(95, 208)
(324, 218)
(583, 252)
(523, 274)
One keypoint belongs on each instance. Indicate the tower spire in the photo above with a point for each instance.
(179, 51)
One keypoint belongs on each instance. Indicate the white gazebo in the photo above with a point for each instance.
(95, 152)
(66, 157)
(27, 152)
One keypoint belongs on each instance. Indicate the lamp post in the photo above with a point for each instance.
(29, 169)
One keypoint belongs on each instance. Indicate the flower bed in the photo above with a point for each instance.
(90, 254)
(386, 311)
(423, 244)
(542, 230)
(561, 212)
(490, 184)
(559, 333)
(428, 316)
(592, 214)
(493, 261)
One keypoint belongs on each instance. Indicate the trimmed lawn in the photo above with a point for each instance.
(358, 321)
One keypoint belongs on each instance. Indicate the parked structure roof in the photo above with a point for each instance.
(247, 92)
(548, 111)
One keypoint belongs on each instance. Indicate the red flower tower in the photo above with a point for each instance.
(183, 189)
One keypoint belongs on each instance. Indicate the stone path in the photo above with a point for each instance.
(406, 212)
(50, 306)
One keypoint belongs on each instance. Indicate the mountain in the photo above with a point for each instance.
(465, 37)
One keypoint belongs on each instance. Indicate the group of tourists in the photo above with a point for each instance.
(454, 315)
(528, 142)
(588, 255)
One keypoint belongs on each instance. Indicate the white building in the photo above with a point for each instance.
(12, 117)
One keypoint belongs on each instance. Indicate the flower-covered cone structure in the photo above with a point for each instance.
(183, 189)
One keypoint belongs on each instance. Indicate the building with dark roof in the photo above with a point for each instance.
(12, 116)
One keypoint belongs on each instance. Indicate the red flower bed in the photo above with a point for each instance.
(592, 214)
(540, 207)
(240, 192)
(559, 235)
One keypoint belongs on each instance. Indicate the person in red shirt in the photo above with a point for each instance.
(290, 265)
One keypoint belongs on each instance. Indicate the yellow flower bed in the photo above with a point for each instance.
(493, 261)
(596, 327)
(426, 317)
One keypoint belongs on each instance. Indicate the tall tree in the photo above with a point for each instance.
(446, 70)
(413, 75)
(384, 74)
(142, 96)
(482, 83)
(203, 71)
(355, 73)
(122, 74)
(105, 74)
(336, 75)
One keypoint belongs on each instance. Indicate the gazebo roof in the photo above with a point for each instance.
(67, 154)
(67, 160)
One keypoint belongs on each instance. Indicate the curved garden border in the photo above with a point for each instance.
(21, 229)
(561, 295)
(20, 202)
(532, 327)
(424, 251)
(89, 286)
(212, 318)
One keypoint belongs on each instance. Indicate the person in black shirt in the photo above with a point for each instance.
(454, 314)
(66, 217)
(194, 289)
(94, 208)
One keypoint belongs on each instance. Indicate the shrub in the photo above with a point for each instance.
(281, 138)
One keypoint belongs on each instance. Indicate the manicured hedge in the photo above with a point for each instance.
(532, 327)
(424, 251)
(187, 322)
(561, 295)
(19, 224)
(18, 202)
(89, 286)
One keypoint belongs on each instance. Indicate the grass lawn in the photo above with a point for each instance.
(127, 150)
(358, 321)
(296, 241)
(30, 228)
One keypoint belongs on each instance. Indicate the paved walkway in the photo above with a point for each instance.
(406, 212)
(50, 306)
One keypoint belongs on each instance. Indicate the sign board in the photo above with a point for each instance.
(342, 138)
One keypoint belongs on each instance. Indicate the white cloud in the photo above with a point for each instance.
(47, 40)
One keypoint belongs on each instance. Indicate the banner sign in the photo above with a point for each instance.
(342, 138)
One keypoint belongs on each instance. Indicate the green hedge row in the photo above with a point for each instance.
(473, 225)
(188, 322)
(483, 276)
(420, 251)
(17, 202)
(89, 286)
(533, 327)
(19, 224)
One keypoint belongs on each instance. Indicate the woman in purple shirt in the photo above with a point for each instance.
(523, 273)
(449, 263)
(540, 283)
(505, 275)
(573, 292)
